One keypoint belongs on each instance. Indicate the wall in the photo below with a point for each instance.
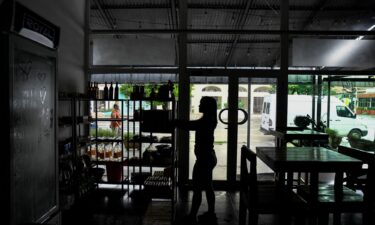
(141, 51)
(69, 15)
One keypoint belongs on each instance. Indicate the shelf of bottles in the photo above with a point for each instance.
(155, 139)
(74, 175)
(107, 149)
(109, 92)
(143, 155)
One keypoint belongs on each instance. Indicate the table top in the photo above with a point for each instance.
(300, 134)
(367, 156)
(307, 159)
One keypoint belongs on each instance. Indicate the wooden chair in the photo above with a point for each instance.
(336, 200)
(259, 198)
(328, 200)
(357, 180)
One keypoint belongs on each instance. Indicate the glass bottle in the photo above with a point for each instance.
(105, 91)
(110, 93)
(93, 151)
(101, 151)
(89, 89)
(116, 91)
(153, 93)
(108, 152)
(117, 152)
(96, 90)
(170, 89)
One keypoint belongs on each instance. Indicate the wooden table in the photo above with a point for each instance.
(313, 160)
(290, 135)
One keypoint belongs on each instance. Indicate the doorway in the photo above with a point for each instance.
(216, 88)
(247, 101)
(256, 91)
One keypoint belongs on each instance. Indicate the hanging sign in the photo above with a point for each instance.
(27, 23)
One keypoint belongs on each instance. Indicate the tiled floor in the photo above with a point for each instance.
(106, 207)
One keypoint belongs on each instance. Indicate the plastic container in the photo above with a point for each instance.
(114, 172)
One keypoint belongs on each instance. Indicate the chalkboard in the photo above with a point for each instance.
(33, 152)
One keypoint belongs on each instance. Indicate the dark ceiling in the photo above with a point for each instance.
(234, 49)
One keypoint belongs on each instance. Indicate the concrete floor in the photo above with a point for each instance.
(111, 207)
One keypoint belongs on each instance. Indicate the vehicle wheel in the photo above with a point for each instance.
(355, 134)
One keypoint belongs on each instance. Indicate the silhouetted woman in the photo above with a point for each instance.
(205, 158)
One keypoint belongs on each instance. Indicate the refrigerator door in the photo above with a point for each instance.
(34, 182)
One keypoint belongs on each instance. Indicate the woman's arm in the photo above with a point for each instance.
(186, 124)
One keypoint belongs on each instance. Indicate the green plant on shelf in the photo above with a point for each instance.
(128, 136)
(108, 133)
(102, 133)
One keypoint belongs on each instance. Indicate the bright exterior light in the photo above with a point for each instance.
(360, 37)
(343, 50)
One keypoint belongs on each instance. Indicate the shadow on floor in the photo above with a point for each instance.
(114, 207)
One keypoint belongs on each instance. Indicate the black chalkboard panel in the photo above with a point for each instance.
(34, 192)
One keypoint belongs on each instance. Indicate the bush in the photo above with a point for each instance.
(331, 132)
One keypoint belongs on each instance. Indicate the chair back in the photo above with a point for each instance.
(248, 177)
(356, 180)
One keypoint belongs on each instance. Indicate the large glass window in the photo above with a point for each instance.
(352, 117)
(260, 107)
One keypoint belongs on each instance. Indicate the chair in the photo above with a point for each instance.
(328, 200)
(356, 180)
(265, 198)
(331, 199)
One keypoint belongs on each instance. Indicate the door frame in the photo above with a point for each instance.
(233, 76)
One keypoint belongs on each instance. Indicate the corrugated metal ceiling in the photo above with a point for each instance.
(230, 49)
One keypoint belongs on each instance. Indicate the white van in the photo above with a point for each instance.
(342, 119)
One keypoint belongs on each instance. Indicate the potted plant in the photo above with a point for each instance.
(333, 138)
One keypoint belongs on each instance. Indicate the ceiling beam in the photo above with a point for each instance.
(115, 69)
(234, 31)
(318, 7)
(222, 71)
(173, 24)
(230, 7)
(241, 23)
(243, 41)
(105, 15)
